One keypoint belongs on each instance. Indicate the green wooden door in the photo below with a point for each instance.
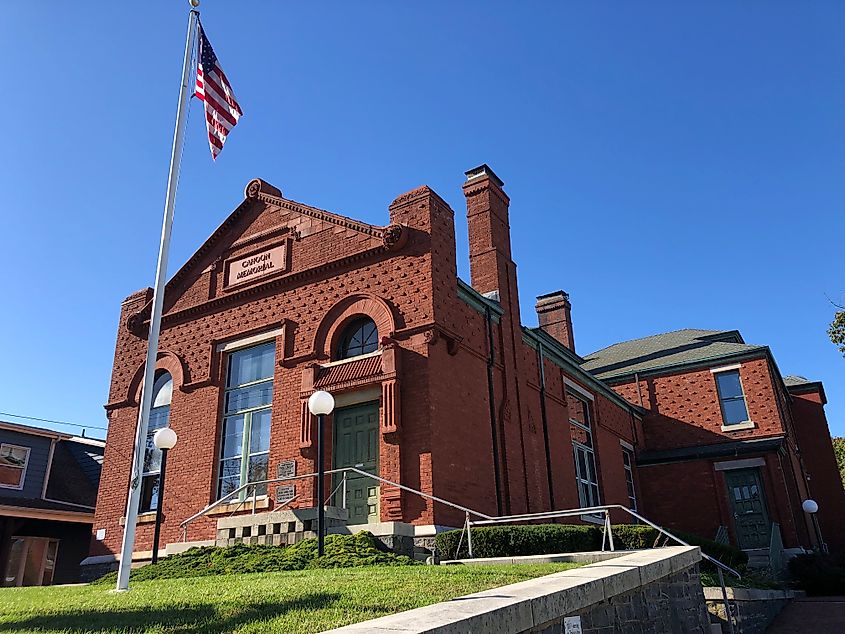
(748, 504)
(356, 445)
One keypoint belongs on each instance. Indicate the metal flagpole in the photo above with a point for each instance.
(155, 317)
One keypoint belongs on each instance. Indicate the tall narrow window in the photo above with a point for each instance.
(580, 428)
(628, 463)
(246, 419)
(360, 337)
(731, 397)
(159, 417)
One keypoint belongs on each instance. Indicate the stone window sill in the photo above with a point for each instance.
(261, 502)
(147, 518)
(749, 424)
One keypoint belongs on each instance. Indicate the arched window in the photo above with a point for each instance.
(159, 417)
(359, 337)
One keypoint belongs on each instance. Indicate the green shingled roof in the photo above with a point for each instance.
(680, 347)
(794, 379)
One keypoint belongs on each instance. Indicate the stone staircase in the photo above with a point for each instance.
(758, 558)
(278, 528)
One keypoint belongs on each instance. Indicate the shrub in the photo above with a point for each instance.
(637, 536)
(544, 539)
(819, 574)
(341, 551)
(505, 541)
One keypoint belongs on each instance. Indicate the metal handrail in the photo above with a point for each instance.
(244, 487)
(604, 509)
(485, 519)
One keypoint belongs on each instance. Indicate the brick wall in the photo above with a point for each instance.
(825, 484)
(442, 439)
(684, 406)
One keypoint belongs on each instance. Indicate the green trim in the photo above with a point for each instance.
(562, 357)
(477, 301)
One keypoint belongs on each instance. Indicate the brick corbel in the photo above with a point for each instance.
(306, 425)
(390, 402)
(389, 406)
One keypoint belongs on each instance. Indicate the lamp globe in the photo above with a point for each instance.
(164, 438)
(321, 402)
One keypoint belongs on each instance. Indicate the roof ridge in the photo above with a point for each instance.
(657, 334)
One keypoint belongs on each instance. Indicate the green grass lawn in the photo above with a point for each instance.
(301, 601)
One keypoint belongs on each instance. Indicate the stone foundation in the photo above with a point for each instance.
(753, 610)
(644, 592)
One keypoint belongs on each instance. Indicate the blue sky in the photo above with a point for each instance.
(669, 166)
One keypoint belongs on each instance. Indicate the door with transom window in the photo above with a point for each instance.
(748, 505)
(356, 444)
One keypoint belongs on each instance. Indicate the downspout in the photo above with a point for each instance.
(639, 391)
(490, 397)
(542, 374)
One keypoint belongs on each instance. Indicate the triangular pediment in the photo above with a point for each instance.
(267, 239)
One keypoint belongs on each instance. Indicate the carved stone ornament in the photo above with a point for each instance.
(393, 236)
(431, 336)
(134, 322)
(253, 188)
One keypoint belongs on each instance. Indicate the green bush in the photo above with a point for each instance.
(341, 551)
(506, 541)
(637, 536)
(819, 574)
(543, 539)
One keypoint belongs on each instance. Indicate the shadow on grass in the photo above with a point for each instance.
(195, 618)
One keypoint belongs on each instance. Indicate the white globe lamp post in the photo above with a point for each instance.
(320, 404)
(164, 440)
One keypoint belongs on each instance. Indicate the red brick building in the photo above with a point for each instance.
(729, 444)
(438, 385)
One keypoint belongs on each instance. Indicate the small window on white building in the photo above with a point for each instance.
(731, 397)
(13, 460)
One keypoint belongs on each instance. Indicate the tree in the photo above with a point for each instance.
(836, 332)
(839, 452)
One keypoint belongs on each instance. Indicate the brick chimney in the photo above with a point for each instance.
(555, 314)
(489, 231)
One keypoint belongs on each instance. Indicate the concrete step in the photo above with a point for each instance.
(758, 557)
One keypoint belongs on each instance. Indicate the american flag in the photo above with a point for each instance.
(221, 108)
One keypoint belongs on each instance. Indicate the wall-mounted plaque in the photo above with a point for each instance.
(286, 469)
(256, 265)
(285, 493)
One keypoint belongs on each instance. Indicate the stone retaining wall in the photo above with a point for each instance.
(647, 592)
(753, 610)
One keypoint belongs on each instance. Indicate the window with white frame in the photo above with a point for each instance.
(245, 449)
(13, 460)
(580, 428)
(159, 417)
(731, 397)
(628, 463)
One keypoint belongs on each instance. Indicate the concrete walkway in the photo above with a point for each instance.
(818, 615)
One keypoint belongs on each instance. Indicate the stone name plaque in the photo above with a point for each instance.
(286, 469)
(285, 493)
(255, 266)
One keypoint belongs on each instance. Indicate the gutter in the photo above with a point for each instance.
(490, 397)
(544, 417)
